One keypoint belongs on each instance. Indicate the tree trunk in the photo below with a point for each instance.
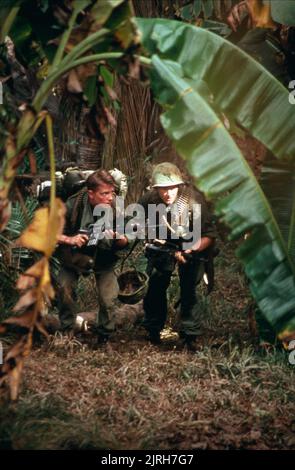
(139, 139)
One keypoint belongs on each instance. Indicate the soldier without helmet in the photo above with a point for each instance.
(73, 250)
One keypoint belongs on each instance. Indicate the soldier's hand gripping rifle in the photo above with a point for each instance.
(159, 247)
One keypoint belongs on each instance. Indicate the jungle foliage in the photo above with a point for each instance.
(200, 89)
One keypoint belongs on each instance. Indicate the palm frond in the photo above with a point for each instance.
(20, 217)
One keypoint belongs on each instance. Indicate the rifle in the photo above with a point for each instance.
(160, 247)
(163, 246)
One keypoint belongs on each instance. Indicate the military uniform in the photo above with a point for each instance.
(75, 261)
(161, 265)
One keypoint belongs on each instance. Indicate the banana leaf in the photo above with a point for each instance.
(222, 173)
(242, 88)
(259, 103)
(277, 180)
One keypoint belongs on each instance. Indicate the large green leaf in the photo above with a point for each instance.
(222, 173)
(241, 87)
(118, 34)
(101, 11)
(277, 180)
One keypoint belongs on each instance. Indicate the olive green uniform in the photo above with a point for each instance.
(75, 261)
(161, 266)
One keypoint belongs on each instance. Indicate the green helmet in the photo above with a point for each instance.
(166, 174)
(133, 286)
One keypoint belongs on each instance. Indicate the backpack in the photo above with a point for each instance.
(73, 180)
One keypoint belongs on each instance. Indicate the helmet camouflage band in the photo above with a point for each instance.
(166, 174)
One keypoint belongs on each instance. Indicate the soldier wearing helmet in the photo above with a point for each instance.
(169, 187)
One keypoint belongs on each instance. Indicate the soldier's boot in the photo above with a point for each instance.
(189, 343)
(68, 332)
(67, 325)
(102, 339)
(154, 337)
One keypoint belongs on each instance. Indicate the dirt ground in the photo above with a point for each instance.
(129, 394)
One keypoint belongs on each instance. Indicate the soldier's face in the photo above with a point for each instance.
(168, 194)
(102, 195)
